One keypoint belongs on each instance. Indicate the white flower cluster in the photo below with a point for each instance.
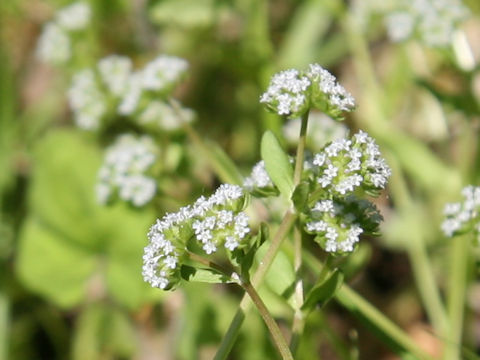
(163, 72)
(292, 92)
(321, 130)
(54, 45)
(326, 84)
(340, 238)
(344, 165)
(124, 168)
(258, 178)
(339, 224)
(87, 100)
(212, 222)
(463, 216)
(165, 116)
(286, 94)
(434, 21)
(124, 89)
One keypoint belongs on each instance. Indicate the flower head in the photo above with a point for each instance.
(210, 223)
(163, 72)
(347, 164)
(287, 93)
(293, 92)
(338, 223)
(124, 171)
(461, 217)
(115, 73)
(433, 21)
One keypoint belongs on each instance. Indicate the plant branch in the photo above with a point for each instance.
(275, 332)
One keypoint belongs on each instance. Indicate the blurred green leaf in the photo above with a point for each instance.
(68, 239)
(277, 164)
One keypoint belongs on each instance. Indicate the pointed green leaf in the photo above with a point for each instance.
(277, 164)
(262, 236)
(323, 292)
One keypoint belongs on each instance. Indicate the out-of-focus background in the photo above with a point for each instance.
(71, 284)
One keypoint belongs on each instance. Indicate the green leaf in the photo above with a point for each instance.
(322, 293)
(70, 243)
(51, 266)
(277, 164)
(280, 278)
(190, 273)
(247, 261)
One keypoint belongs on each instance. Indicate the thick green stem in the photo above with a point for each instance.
(457, 286)
(275, 332)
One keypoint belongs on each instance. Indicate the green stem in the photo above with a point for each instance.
(457, 286)
(285, 226)
(272, 326)
(298, 317)
(234, 328)
(297, 176)
(275, 332)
